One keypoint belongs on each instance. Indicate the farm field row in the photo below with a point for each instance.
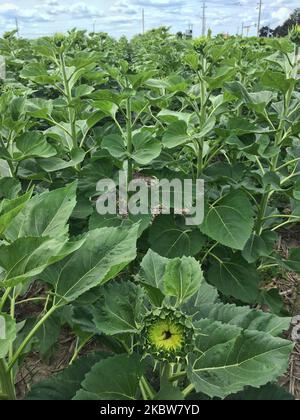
(155, 307)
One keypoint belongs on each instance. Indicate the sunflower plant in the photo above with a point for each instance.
(169, 336)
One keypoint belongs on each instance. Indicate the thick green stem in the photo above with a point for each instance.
(148, 389)
(279, 139)
(6, 384)
(188, 390)
(68, 93)
(129, 140)
(29, 337)
(4, 298)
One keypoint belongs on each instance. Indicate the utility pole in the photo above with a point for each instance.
(17, 26)
(94, 26)
(143, 20)
(259, 17)
(203, 18)
(243, 29)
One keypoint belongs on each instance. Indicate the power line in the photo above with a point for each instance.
(259, 17)
(17, 26)
(143, 20)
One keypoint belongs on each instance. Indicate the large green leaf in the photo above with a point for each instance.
(292, 263)
(27, 257)
(116, 378)
(115, 145)
(182, 278)
(176, 134)
(45, 214)
(119, 309)
(244, 317)
(9, 209)
(33, 144)
(230, 221)
(232, 358)
(9, 188)
(171, 237)
(63, 386)
(235, 278)
(269, 392)
(146, 147)
(151, 275)
(259, 246)
(8, 332)
(103, 255)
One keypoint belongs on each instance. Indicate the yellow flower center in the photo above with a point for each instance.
(166, 336)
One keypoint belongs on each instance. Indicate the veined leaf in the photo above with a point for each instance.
(9, 209)
(244, 317)
(103, 255)
(232, 358)
(235, 278)
(115, 378)
(182, 278)
(230, 221)
(28, 257)
(119, 308)
(45, 214)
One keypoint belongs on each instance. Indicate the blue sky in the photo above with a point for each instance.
(123, 17)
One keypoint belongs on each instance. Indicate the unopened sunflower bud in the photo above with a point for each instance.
(295, 35)
(167, 335)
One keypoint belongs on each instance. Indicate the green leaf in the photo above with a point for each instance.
(115, 145)
(269, 392)
(115, 220)
(292, 263)
(118, 309)
(151, 275)
(182, 278)
(230, 221)
(259, 246)
(28, 257)
(107, 107)
(45, 214)
(232, 358)
(103, 255)
(244, 317)
(39, 108)
(169, 392)
(63, 386)
(33, 144)
(176, 134)
(276, 80)
(37, 72)
(8, 333)
(171, 237)
(9, 209)
(9, 188)
(57, 164)
(146, 148)
(235, 278)
(173, 116)
(116, 378)
(223, 74)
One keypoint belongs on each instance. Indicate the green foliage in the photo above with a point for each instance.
(168, 301)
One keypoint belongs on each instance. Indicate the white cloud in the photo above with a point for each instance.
(119, 17)
(281, 14)
(7, 9)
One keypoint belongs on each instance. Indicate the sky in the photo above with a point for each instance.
(123, 17)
